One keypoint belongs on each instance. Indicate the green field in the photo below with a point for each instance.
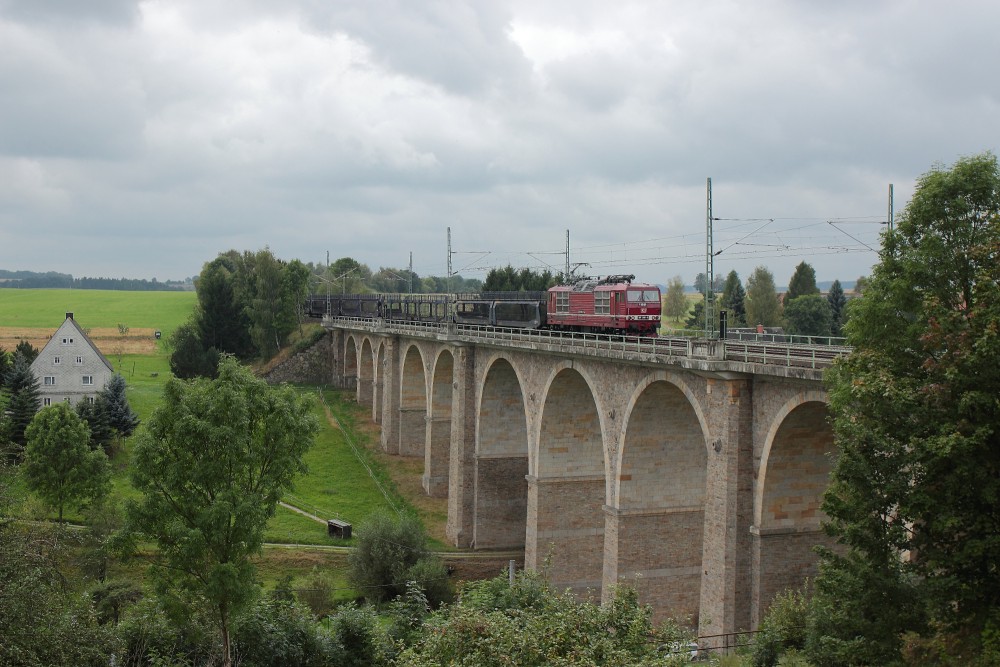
(95, 308)
(337, 485)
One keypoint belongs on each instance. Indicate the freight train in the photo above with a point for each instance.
(613, 304)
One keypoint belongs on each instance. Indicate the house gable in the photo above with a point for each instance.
(70, 367)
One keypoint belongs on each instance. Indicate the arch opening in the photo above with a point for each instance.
(501, 462)
(438, 437)
(412, 404)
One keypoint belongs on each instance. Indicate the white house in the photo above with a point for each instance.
(70, 367)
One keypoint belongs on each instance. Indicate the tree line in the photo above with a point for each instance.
(52, 279)
(802, 310)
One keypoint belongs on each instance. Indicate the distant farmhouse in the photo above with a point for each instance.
(70, 368)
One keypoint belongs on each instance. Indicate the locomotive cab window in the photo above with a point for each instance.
(647, 296)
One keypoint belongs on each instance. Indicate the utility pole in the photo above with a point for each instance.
(566, 270)
(449, 260)
(409, 278)
(891, 212)
(709, 260)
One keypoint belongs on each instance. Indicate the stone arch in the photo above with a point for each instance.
(566, 486)
(794, 472)
(380, 369)
(438, 438)
(655, 524)
(351, 363)
(412, 403)
(366, 373)
(501, 459)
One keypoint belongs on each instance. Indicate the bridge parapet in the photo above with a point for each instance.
(724, 357)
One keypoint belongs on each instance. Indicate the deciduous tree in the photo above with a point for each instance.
(675, 303)
(212, 463)
(917, 420)
(762, 302)
(808, 315)
(59, 464)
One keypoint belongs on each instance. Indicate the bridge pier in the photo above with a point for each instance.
(390, 397)
(461, 458)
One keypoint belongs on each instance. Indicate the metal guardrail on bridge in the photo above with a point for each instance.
(789, 355)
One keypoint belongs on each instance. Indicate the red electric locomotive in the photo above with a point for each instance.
(605, 305)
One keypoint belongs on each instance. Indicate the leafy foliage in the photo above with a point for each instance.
(762, 303)
(782, 628)
(808, 315)
(918, 424)
(509, 279)
(59, 464)
(675, 304)
(212, 463)
(391, 551)
(530, 624)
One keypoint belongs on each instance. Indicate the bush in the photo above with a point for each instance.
(358, 637)
(782, 628)
(391, 551)
(278, 633)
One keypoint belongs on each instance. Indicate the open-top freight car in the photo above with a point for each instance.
(613, 304)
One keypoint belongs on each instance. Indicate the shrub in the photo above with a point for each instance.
(782, 628)
(278, 633)
(389, 552)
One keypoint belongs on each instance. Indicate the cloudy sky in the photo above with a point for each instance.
(140, 139)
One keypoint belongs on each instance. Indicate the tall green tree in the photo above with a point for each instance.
(917, 420)
(808, 315)
(762, 303)
(120, 414)
(803, 282)
(5, 362)
(24, 392)
(675, 303)
(221, 316)
(189, 358)
(212, 463)
(59, 464)
(734, 300)
(98, 420)
(838, 308)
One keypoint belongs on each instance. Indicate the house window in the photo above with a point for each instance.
(88, 380)
(79, 361)
(91, 400)
(49, 381)
(65, 341)
(56, 361)
(46, 402)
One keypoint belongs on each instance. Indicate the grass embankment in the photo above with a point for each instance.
(338, 483)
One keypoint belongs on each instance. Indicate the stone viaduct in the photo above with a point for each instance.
(691, 470)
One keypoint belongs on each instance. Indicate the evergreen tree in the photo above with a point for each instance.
(95, 414)
(188, 358)
(762, 305)
(221, 320)
(26, 350)
(803, 282)
(24, 392)
(120, 415)
(5, 362)
(733, 300)
(838, 308)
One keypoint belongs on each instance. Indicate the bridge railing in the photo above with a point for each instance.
(792, 355)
